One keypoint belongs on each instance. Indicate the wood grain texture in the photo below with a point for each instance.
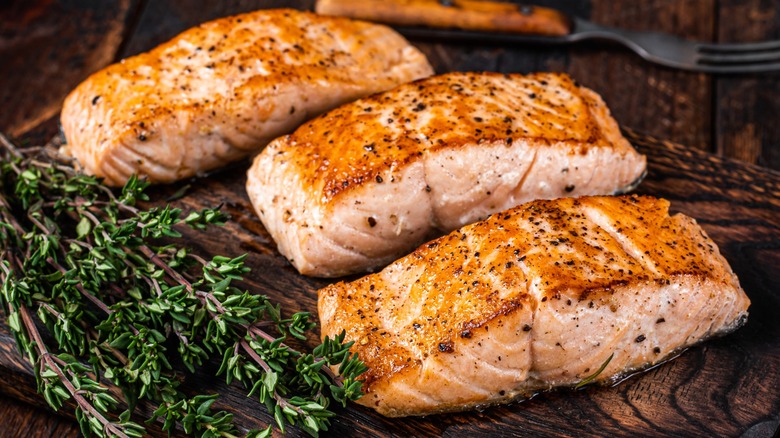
(20, 420)
(47, 48)
(724, 387)
(739, 100)
(659, 101)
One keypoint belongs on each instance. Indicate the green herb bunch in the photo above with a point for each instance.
(126, 308)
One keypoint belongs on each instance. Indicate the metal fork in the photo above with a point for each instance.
(659, 48)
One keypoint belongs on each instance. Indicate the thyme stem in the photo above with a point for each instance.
(54, 364)
(115, 291)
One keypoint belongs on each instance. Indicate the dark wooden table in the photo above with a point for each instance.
(48, 46)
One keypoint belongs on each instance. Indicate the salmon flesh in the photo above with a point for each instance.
(222, 90)
(369, 181)
(532, 298)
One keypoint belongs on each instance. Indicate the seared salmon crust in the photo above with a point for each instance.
(369, 181)
(531, 298)
(222, 90)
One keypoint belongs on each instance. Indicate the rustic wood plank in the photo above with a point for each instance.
(659, 101)
(47, 48)
(20, 420)
(724, 387)
(748, 106)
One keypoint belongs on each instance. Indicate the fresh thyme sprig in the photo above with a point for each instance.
(118, 297)
(592, 377)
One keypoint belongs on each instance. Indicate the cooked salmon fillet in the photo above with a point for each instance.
(536, 297)
(221, 91)
(369, 181)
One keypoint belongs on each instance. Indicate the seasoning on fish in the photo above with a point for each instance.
(535, 297)
(222, 90)
(369, 181)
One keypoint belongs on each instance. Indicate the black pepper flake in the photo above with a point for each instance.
(369, 147)
(478, 119)
(371, 222)
(416, 325)
(569, 188)
(465, 334)
(508, 265)
(656, 350)
(379, 179)
(95, 100)
(532, 95)
(526, 328)
(446, 347)
(660, 320)
(640, 338)
(141, 137)
(427, 188)
(420, 106)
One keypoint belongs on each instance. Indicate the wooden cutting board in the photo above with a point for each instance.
(724, 387)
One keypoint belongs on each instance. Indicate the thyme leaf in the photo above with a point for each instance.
(593, 376)
(129, 311)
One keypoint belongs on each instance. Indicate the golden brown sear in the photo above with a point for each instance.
(369, 181)
(531, 298)
(222, 90)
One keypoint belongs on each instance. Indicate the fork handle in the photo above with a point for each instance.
(460, 14)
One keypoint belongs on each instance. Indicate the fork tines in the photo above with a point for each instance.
(762, 56)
